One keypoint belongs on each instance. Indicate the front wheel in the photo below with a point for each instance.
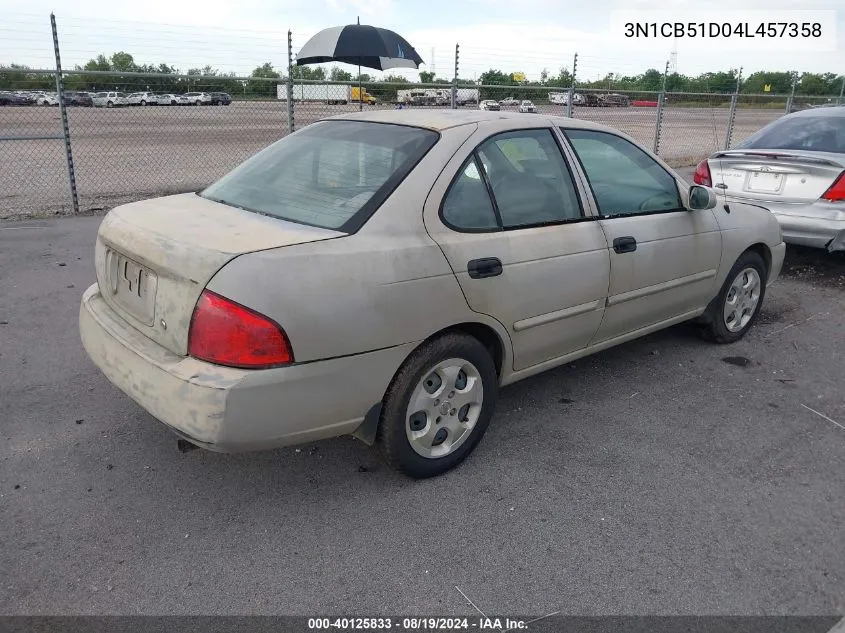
(438, 406)
(734, 310)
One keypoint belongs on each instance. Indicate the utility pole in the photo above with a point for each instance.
(661, 98)
(570, 102)
(732, 115)
(455, 80)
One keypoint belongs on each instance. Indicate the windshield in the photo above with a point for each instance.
(813, 133)
(328, 174)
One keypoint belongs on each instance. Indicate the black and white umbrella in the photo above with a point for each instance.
(361, 45)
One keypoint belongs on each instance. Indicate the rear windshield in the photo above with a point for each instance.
(331, 174)
(816, 133)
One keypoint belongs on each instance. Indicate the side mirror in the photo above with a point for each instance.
(701, 198)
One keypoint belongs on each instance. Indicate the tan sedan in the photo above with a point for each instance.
(382, 274)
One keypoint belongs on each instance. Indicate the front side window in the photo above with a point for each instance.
(326, 174)
(624, 179)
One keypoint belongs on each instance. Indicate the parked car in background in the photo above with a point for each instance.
(489, 104)
(527, 106)
(11, 99)
(81, 99)
(510, 101)
(220, 98)
(47, 99)
(29, 97)
(795, 167)
(198, 98)
(109, 99)
(142, 99)
(171, 99)
(198, 312)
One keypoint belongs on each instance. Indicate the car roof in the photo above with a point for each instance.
(445, 119)
(833, 111)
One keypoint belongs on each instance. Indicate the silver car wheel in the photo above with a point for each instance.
(742, 299)
(444, 408)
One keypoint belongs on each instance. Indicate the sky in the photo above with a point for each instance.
(508, 35)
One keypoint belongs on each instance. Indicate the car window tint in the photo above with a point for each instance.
(624, 179)
(326, 173)
(529, 178)
(812, 133)
(467, 204)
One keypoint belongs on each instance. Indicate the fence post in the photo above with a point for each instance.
(841, 91)
(290, 82)
(455, 80)
(60, 93)
(661, 98)
(791, 92)
(570, 100)
(732, 115)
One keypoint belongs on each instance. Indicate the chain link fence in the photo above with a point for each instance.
(143, 134)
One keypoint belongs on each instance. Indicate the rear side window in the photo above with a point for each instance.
(528, 177)
(811, 133)
(332, 174)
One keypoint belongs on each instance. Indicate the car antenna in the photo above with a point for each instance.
(734, 105)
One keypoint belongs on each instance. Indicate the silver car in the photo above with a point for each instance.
(795, 167)
(383, 274)
(142, 99)
(527, 107)
(172, 99)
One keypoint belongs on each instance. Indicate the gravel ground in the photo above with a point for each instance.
(125, 154)
(664, 476)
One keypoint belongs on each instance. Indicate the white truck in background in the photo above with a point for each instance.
(331, 94)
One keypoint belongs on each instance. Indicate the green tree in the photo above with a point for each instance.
(122, 61)
(338, 74)
(426, 77)
(266, 71)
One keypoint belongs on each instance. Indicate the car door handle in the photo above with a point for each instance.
(625, 244)
(486, 267)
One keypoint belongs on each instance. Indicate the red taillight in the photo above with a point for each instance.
(836, 192)
(702, 174)
(226, 333)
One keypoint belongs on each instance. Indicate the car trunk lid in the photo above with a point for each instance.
(154, 258)
(787, 176)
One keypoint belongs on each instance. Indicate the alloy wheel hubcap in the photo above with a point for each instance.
(742, 299)
(444, 408)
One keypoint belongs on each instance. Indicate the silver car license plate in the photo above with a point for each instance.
(132, 286)
(763, 182)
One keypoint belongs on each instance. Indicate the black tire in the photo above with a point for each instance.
(395, 446)
(715, 329)
(109, 104)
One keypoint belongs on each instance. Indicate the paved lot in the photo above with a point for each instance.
(652, 478)
(130, 153)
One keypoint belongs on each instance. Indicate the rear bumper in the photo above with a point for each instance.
(818, 225)
(812, 231)
(232, 410)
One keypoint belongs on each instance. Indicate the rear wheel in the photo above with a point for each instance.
(109, 104)
(735, 309)
(438, 406)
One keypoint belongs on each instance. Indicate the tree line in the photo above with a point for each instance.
(167, 78)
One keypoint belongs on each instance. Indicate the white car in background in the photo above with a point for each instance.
(489, 104)
(527, 106)
(44, 99)
(108, 99)
(172, 99)
(510, 101)
(142, 99)
(198, 98)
